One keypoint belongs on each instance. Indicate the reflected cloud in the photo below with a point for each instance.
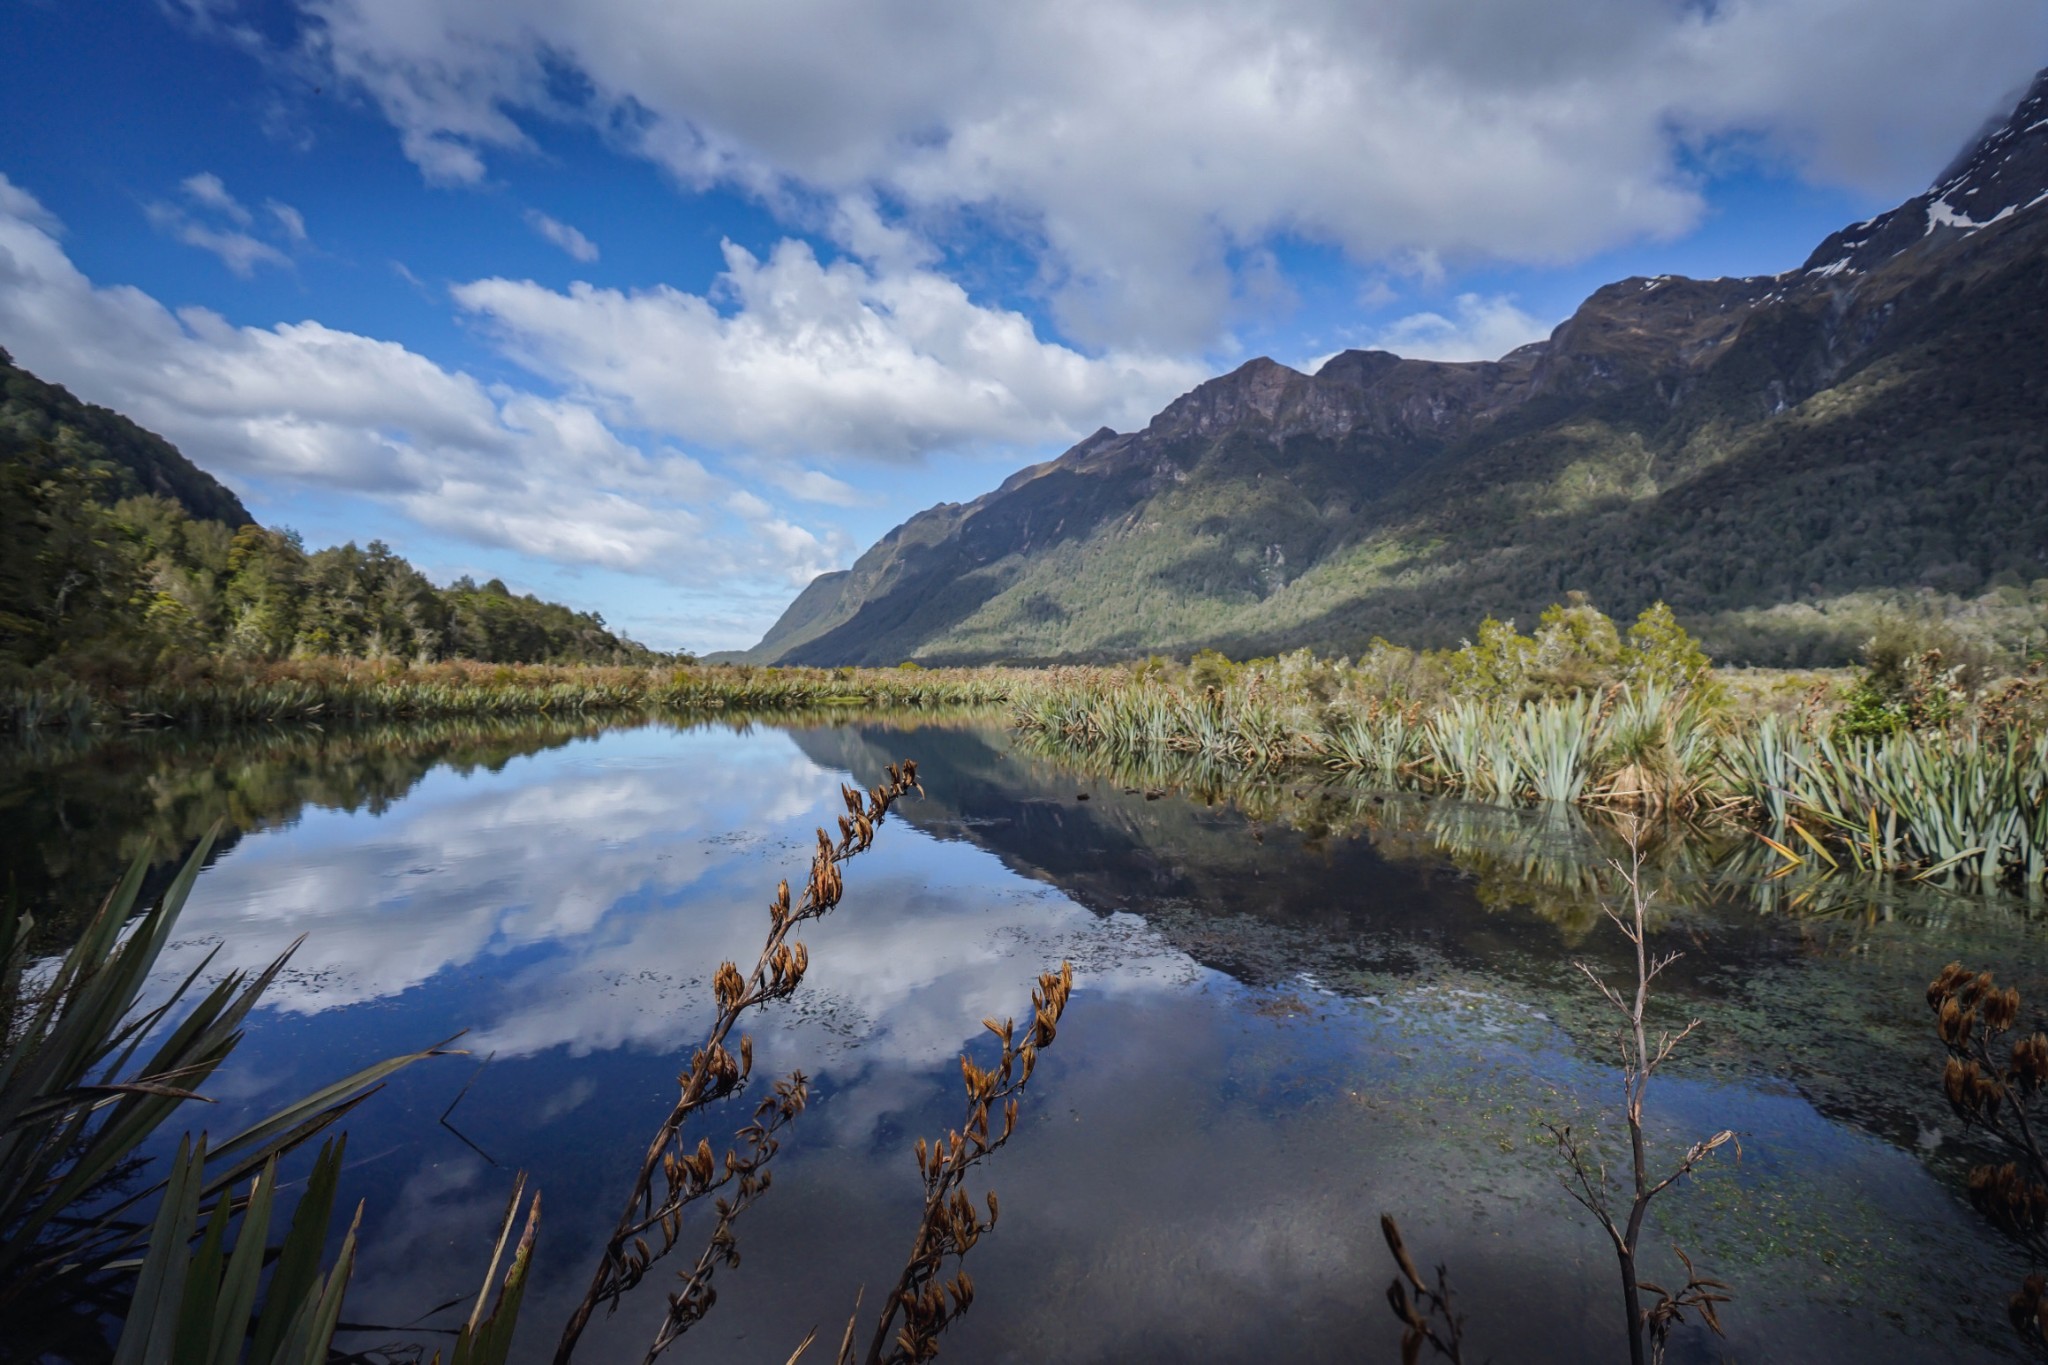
(604, 888)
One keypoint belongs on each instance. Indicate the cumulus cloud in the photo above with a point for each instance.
(1146, 149)
(562, 235)
(311, 404)
(1480, 327)
(815, 359)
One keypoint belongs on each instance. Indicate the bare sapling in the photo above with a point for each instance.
(1972, 1015)
(1621, 1212)
(686, 1175)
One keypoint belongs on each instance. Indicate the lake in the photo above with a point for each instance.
(1297, 1006)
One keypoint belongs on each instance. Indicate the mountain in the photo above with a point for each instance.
(42, 423)
(1744, 449)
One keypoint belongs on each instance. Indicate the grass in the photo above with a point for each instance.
(325, 690)
(1966, 805)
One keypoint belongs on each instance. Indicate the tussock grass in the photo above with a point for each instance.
(326, 690)
(1967, 806)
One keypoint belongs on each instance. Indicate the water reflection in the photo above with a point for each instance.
(1298, 1005)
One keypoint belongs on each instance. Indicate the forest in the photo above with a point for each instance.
(117, 553)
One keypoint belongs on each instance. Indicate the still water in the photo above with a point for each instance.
(1296, 1008)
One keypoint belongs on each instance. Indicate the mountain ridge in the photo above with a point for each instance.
(1710, 442)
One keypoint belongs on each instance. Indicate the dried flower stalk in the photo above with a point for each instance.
(1427, 1311)
(1971, 1015)
(714, 1073)
(952, 1223)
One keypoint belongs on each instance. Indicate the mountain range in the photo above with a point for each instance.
(1747, 450)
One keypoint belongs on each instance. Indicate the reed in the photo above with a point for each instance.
(1969, 807)
(220, 693)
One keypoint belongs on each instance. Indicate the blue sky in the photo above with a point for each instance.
(660, 310)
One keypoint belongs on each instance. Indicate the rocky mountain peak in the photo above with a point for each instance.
(2003, 176)
(1254, 389)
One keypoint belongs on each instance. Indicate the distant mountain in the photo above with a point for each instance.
(1874, 420)
(42, 423)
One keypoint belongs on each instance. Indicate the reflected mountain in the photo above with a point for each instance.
(1816, 983)
(1299, 1003)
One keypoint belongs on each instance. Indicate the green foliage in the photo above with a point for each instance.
(1576, 644)
(116, 551)
(44, 427)
(1495, 666)
(1660, 651)
(79, 1096)
(195, 1305)
(1211, 668)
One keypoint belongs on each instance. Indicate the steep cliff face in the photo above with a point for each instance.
(1873, 419)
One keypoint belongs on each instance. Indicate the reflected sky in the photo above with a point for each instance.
(1278, 1033)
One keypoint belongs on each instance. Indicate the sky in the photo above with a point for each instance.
(662, 309)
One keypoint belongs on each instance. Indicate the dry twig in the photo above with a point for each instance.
(1588, 1181)
(1426, 1310)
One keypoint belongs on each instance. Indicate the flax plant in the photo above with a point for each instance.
(687, 1175)
(923, 1297)
(1995, 1088)
(88, 1075)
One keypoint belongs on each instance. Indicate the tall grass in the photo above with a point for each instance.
(344, 690)
(1968, 808)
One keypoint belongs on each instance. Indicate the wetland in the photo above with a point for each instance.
(1299, 1002)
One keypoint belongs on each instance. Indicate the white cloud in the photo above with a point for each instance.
(209, 191)
(818, 360)
(238, 251)
(814, 485)
(1481, 327)
(228, 236)
(562, 235)
(311, 404)
(1142, 147)
(290, 219)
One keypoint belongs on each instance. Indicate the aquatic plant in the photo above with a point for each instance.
(1553, 747)
(1587, 1179)
(1655, 749)
(222, 692)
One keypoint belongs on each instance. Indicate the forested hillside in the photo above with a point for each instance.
(1780, 458)
(117, 553)
(43, 426)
